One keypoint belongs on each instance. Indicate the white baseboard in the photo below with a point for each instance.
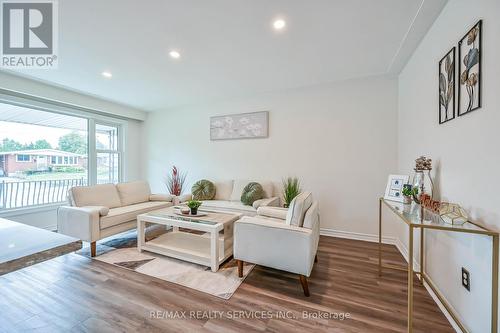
(404, 252)
(52, 227)
(356, 236)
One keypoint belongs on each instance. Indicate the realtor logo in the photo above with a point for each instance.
(29, 33)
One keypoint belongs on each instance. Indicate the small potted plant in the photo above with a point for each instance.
(175, 181)
(291, 188)
(194, 205)
(409, 192)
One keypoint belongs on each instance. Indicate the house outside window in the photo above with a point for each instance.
(22, 158)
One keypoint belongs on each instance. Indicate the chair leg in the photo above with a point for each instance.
(240, 268)
(92, 249)
(305, 286)
(316, 258)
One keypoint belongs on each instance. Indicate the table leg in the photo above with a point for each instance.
(380, 237)
(494, 286)
(422, 249)
(140, 234)
(410, 280)
(214, 250)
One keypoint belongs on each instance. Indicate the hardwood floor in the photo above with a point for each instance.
(75, 293)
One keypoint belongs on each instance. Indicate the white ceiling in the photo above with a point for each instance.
(228, 47)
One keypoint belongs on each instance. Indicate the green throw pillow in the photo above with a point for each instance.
(203, 190)
(251, 193)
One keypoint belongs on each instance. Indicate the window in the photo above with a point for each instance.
(93, 141)
(22, 158)
(108, 153)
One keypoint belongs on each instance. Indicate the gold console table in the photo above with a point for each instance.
(412, 216)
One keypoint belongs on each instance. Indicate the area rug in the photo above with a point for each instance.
(121, 251)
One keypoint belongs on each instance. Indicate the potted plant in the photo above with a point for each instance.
(409, 192)
(175, 181)
(194, 205)
(291, 188)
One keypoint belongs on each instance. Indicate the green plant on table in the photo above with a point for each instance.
(409, 191)
(291, 188)
(194, 204)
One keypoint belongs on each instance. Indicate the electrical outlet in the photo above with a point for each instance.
(465, 279)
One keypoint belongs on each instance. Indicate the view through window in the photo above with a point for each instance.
(43, 154)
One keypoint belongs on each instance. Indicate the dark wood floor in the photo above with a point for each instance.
(74, 293)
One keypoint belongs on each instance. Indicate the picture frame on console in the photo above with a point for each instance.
(394, 188)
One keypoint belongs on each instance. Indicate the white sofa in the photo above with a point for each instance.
(280, 238)
(228, 197)
(99, 211)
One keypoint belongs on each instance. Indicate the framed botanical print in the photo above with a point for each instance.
(447, 87)
(469, 70)
(240, 126)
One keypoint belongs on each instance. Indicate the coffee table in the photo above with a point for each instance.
(205, 240)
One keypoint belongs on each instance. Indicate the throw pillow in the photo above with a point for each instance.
(203, 190)
(252, 192)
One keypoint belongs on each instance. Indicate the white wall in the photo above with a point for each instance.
(465, 152)
(134, 145)
(339, 139)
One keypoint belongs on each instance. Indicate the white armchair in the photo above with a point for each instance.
(284, 239)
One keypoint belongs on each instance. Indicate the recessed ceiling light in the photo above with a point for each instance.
(279, 24)
(175, 54)
(107, 74)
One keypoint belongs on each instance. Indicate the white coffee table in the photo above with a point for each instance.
(209, 248)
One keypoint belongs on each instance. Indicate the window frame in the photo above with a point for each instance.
(120, 143)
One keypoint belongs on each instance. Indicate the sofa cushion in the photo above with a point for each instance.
(129, 213)
(223, 189)
(133, 192)
(240, 184)
(268, 188)
(238, 187)
(203, 190)
(252, 192)
(298, 208)
(233, 206)
(98, 195)
(161, 197)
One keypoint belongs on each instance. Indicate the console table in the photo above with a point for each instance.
(416, 217)
(22, 245)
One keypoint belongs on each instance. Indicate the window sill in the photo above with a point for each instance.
(30, 210)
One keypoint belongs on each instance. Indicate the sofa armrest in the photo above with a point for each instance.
(272, 202)
(275, 212)
(161, 197)
(80, 222)
(275, 244)
(182, 198)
